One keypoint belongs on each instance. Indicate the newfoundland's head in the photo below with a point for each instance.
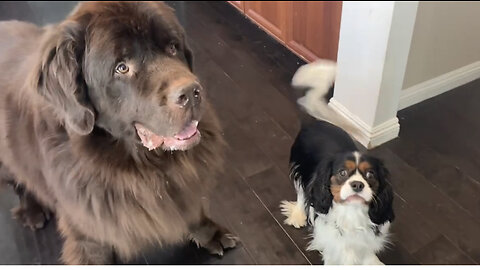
(123, 67)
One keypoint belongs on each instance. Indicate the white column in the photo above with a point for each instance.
(375, 40)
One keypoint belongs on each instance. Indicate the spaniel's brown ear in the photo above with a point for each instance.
(59, 79)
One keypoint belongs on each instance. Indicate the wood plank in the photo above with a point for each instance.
(8, 244)
(397, 255)
(437, 208)
(442, 251)
(268, 136)
(49, 243)
(410, 229)
(452, 136)
(436, 168)
(272, 186)
(245, 157)
(260, 234)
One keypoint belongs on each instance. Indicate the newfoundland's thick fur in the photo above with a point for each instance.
(103, 123)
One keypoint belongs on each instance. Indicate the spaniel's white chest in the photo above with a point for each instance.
(346, 235)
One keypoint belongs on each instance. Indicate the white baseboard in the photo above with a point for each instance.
(439, 85)
(370, 137)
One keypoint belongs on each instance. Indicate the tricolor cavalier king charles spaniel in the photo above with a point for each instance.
(342, 193)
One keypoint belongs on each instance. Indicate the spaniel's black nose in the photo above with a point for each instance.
(357, 186)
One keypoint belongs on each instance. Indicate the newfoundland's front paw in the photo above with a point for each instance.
(214, 238)
(33, 218)
(221, 242)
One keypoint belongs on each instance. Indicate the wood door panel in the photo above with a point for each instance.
(314, 29)
(272, 16)
(308, 28)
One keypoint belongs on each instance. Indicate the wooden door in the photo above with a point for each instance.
(308, 28)
(313, 29)
(271, 15)
(238, 4)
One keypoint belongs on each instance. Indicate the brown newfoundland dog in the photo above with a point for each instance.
(103, 123)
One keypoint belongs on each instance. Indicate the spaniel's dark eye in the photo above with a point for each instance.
(343, 173)
(172, 49)
(370, 175)
(121, 68)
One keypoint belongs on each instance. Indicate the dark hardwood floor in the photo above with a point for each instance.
(435, 162)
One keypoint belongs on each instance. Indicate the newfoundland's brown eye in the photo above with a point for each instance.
(122, 68)
(172, 49)
(370, 175)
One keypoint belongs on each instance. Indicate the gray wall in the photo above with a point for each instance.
(446, 37)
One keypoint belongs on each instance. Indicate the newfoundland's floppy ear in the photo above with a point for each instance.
(381, 209)
(58, 76)
(318, 190)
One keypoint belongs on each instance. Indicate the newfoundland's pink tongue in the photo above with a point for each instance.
(188, 131)
(149, 139)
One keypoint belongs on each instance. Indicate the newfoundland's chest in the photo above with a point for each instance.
(135, 207)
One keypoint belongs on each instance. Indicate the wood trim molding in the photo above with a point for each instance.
(370, 137)
(439, 85)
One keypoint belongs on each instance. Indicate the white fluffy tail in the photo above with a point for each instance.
(319, 77)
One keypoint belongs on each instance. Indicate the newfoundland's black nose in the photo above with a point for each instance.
(357, 186)
(188, 95)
